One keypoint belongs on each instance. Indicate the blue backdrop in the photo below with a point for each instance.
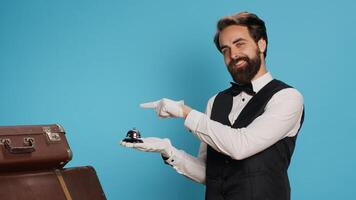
(88, 64)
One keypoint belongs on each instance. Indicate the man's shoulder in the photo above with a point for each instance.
(283, 89)
(288, 90)
(290, 97)
(211, 100)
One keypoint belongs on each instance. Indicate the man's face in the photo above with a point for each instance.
(241, 53)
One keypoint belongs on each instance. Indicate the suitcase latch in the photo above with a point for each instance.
(52, 137)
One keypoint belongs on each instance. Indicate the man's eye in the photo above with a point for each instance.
(239, 44)
(224, 51)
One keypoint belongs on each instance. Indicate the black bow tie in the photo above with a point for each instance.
(238, 88)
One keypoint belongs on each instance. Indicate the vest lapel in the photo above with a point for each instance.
(255, 107)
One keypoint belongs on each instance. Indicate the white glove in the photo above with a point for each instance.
(166, 107)
(152, 144)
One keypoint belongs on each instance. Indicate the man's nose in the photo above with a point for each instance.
(234, 53)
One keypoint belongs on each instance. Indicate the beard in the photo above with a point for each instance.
(245, 73)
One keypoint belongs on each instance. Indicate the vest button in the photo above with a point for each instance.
(227, 161)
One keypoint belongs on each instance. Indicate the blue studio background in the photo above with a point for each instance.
(88, 65)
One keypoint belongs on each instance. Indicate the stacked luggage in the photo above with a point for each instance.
(31, 166)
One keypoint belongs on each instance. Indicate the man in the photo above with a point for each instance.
(249, 130)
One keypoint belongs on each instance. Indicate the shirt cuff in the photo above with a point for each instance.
(172, 160)
(192, 120)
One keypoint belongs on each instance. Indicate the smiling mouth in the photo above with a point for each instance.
(240, 64)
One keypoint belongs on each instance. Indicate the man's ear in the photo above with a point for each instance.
(262, 45)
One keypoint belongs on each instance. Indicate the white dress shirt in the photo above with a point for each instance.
(281, 119)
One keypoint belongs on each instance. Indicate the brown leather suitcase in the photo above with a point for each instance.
(77, 183)
(33, 147)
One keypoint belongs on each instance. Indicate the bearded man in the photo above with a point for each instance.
(248, 132)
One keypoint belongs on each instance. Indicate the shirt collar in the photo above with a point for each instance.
(261, 81)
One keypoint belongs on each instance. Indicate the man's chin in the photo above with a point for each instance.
(241, 79)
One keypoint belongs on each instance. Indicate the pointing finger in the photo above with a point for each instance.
(149, 104)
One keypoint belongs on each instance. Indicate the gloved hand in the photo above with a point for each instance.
(166, 108)
(152, 144)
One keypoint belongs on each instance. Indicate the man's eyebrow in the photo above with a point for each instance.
(234, 42)
(238, 40)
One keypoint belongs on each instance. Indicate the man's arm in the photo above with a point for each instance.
(281, 119)
(184, 163)
(188, 165)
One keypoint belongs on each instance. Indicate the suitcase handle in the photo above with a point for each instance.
(28, 148)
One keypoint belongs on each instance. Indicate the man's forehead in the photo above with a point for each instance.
(233, 32)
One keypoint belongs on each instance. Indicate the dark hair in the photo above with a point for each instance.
(256, 27)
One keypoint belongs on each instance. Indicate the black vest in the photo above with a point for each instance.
(262, 176)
